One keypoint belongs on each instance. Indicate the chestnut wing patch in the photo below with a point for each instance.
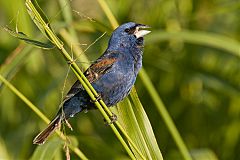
(96, 70)
(93, 73)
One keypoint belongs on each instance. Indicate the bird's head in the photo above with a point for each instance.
(128, 35)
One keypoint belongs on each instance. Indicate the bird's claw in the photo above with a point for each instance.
(98, 97)
(68, 124)
(70, 62)
(113, 119)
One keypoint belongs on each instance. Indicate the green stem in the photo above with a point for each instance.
(67, 38)
(78, 51)
(108, 13)
(24, 99)
(104, 114)
(83, 80)
(40, 114)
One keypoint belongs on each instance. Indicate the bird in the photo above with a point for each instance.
(112, 75)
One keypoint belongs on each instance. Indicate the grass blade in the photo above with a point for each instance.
(145, 126)
(136, 123)
(35, 18)
(22, 36)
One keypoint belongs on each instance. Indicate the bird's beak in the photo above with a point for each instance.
(140, 33)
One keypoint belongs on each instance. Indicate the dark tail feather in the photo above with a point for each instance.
(42, 136)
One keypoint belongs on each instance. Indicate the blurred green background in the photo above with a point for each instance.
(192, 57)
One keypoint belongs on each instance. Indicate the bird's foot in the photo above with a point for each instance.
(70, 62)
(68, 124)
(113, 119)
(98, 97)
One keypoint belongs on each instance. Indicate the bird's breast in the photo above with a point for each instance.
(114, 85)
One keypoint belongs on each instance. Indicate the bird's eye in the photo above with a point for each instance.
(127, 30)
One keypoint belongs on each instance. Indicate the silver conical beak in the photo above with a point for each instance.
(139, 32)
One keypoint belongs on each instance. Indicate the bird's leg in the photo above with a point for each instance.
(68, 124)
(70, 62)
(113, 119)
(63, 118)
(98, 97)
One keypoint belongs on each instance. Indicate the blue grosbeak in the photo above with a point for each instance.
(112, 76)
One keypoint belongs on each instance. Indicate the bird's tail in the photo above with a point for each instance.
(53, 125)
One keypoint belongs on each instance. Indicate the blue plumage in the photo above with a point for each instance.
(112, 75)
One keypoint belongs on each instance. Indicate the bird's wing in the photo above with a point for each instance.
(96, 70)
(93, 73)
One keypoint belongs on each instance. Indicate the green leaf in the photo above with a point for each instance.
(48, 150)
(145, 126)
(40, 11)
(39, 19)
(136, 123)
(22, 36)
